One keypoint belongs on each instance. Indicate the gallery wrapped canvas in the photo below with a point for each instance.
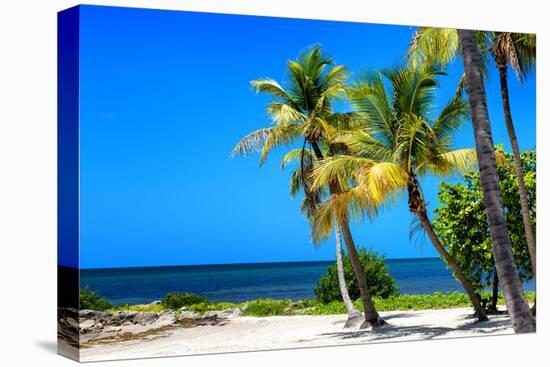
(231, 183)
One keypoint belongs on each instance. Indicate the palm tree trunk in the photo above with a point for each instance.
(494, 299)
(371, 315)
(518, 308)
(354, 316)
(457, 270)
(418, 207)
(529, 236)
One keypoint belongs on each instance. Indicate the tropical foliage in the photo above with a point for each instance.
(400, 142)
(515, 51)
(276, 307)
(304, 110)
(461, 222)
(381, 283)
(90, 300)
(175, 300)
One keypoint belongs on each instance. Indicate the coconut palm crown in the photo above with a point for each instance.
(400, 142)
(302, 108)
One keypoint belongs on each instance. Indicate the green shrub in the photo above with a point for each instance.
(267, 307)
(178, 300)
(461, 221)
(380, 281)
(206, 306)
(90, 300)
(436, 300)
(140, 308)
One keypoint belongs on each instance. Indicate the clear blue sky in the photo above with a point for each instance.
(165, 96)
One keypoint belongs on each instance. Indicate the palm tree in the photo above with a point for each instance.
(303, 111)
(518, 308)
(401, 143)
(307, 160)
(517, 50)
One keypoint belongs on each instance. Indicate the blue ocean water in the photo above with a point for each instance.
(242, 282)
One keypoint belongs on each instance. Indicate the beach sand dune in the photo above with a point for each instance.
(281, 332)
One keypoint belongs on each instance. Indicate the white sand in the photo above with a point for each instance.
(279, 332)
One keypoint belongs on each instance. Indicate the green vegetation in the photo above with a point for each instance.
(158, 307)
(381, 283)
(461, 221)
(178, 300)
(272, 307)
(90, 300)
(435, 300)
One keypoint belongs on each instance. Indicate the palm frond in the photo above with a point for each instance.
(368, 97)
(383, 180)
(271, 87)
(265, 139)
(517, 50)
(414, 142)
(414, 89)
(295, 155)
(340, 169)
(362, 144)
(433, 46)
(453, 162)
(453, 116)
(335, 76)
(354, 203)
(283, 113)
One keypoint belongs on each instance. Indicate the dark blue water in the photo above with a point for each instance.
(242, 282)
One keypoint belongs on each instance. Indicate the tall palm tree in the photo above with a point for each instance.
(514, 50)
(303, 112)
(307, 160)
(401, 143)
(518, 308)
(518, 51)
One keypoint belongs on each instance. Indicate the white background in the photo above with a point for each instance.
(28, 181)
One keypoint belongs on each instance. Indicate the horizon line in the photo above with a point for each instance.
(246, 263)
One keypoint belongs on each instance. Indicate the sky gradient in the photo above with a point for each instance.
(165, 96)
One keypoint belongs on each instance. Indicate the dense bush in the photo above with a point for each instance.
(90, 300)
(461, 222)
(380, 281)
(178, 300)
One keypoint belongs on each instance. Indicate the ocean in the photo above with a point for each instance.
(242, 282)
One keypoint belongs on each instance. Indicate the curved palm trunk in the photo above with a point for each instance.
(371, 315)
(529, 236)
(418, 207)
(518, 308)
(354, 316)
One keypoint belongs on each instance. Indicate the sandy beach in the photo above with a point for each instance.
(280, 332)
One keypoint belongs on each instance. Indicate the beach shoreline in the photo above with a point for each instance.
(249, 333)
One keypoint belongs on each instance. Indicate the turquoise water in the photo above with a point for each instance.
(242, 282)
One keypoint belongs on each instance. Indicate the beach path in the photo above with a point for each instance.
(281, 332)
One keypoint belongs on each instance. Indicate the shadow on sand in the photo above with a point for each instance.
(422, 331)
